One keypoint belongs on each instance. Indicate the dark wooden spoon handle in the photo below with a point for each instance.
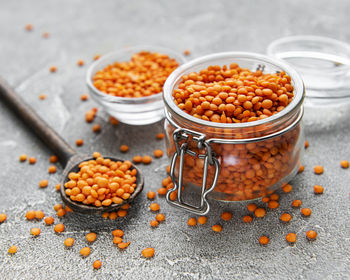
(37, 124)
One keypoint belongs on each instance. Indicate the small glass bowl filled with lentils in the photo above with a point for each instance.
(233, 126)
(128, 83)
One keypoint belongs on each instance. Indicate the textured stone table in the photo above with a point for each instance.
(80, 29)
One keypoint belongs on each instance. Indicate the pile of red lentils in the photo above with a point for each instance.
(233, 94)
(143, 75)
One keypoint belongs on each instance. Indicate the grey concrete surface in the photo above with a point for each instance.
(78, 30)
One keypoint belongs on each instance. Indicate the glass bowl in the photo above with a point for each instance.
(323, 63)
(134, 111)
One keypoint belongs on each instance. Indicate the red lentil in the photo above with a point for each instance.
(247, 219)
(43, 183)
(306, 144)
(123, 245)
(251, 207)
(216, 228)
(23, 157)
(59, 228)
(39, 215)
(306, 212)
(151, 195)
(264, 240)
(287, 188)
(29, 27)
(154, 207)
(291, 237)
(53, 159)
(160, 217)
(187, 52)
(79, 142)
(311, 234)
(3, 217)
(226, 216)
(35, 231)
(318, 189)
(49, 220)
(96, 128)
(148, 252)
(124, 148)
(296, 203)
(318, 169)
(260, 212)
(42, 96)
(69, 242)
(113, 121)
(84, 97)
(192, 222)
(52, 169)
(202, 220)
(154, 223)
(273, 204)
(32, 160)
(91, 237)
(30, 215)
(85, 251)
(158, 153)
(97, 264)
(53, 69)
(344, 164)
(12, 250)
(80, 62)
(146, 159)
(285, 217)
(160, 136)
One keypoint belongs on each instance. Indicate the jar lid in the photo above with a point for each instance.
(323, 63)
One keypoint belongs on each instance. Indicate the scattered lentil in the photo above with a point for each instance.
(91, 237)
(52, 169)
(80, 62)
(53, 69)
(306, 212)
(247, 219)
(260, 212)
(264, 240)
(69, 242)
(124, 148)
(154, 207)
(306, 144)
(154, 223)
(187, 52)
(123, 245)
(43, 183)
(146, 159)
(192, 222)
(148, 252)
(113, 120)
(291, 237)
(59, 228)
(160, 217)
(251, 207)
(202, 220)
(318, 169)
(285, 217)
(30, 215)
(84, 97)
(53, 159)
(160, 136)
(39, 215)
(226, 216)
(296, 203)
(32, 160)
(29, 27)
(273, 204)
(3, 217)
(49, 220)
(12, 250)
(158, 153)
(97, 264)
(344, 164)
(216, 228)
(151, 195)
(42, 96)
(35, 231)
(311, 234)
(79, 142)
(85, 251)
(96, 128)
(23, 157)
(287, 188)
(318, 189)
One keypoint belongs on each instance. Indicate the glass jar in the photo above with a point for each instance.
(238, 161)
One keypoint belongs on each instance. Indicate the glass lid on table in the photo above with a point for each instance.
(323, 63)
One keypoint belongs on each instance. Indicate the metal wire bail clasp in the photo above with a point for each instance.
(182, 135)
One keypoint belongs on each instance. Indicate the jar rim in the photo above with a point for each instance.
(299, 89)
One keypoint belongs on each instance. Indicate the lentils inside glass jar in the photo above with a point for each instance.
(237, 118)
